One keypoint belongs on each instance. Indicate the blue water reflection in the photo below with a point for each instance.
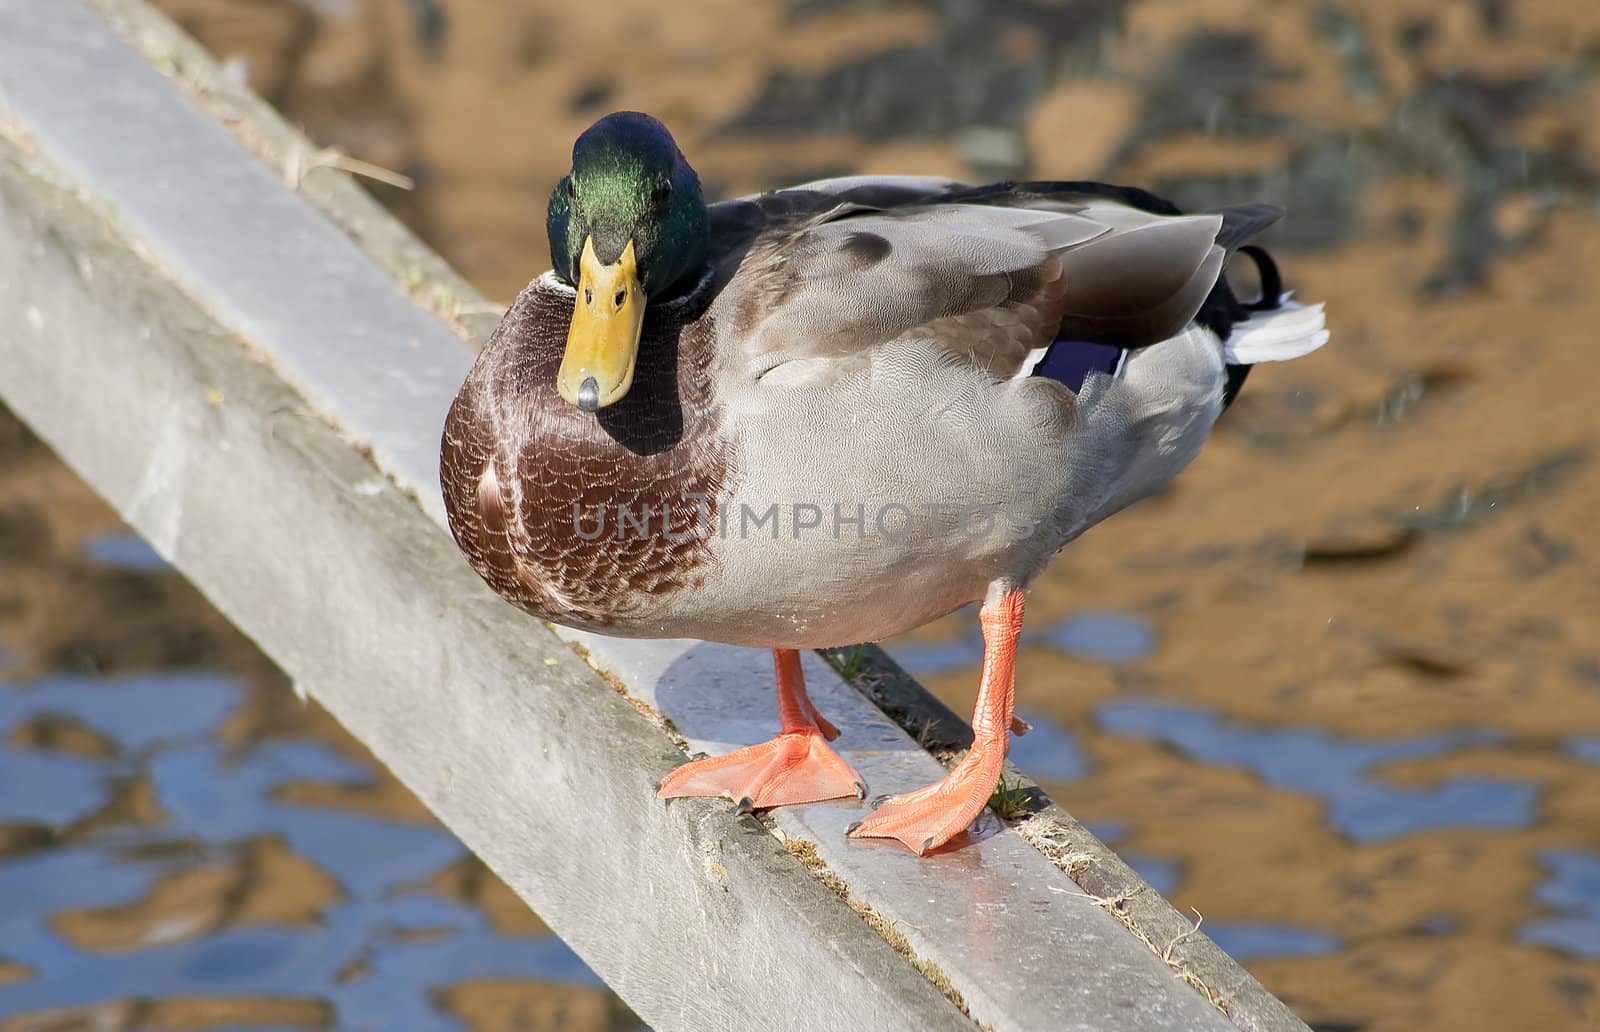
(60, 788)
(1107, 831)
(1104, 636)
(203, 796)
(930, 658)
(1338, 770)
(1047, 751)
(1100, 636)
(1574, 887)
(135, 711)
(1159, 873)
(1246, 941)
(213, 800)
(1587, 749)
(124, 550)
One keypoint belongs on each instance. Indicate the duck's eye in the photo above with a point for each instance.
(663, 194)
(572, 189)
(622, 295)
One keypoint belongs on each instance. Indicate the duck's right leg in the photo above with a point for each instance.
(795, 767)
(931, 816)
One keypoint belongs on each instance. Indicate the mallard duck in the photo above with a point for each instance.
(832, 413)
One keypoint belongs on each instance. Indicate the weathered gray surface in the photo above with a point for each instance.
(312, 551)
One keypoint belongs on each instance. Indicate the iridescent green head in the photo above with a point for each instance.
(627, 225)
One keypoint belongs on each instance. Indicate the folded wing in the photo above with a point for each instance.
(986, 279)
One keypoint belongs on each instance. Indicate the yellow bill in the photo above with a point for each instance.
(603, 341)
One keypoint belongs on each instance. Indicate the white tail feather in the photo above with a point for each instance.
(1277, 335)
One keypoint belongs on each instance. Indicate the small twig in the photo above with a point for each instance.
(300, 161)
(1166, 954)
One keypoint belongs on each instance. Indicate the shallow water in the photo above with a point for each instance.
(1339, 771)
(161, 907)
(1573, 890)
(1338, 690)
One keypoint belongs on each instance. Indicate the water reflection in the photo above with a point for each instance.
(1246, 941)
(927, 658)
(1339, 770)
(218, 887)
(124, 550)
(1047, 751)
(1161, 873)
(1105, 637)
(1573, 889)
(1096, 636)
(1585, 749)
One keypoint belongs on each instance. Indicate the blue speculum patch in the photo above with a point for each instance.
(1071, 361)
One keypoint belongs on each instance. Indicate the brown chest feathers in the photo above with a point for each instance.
(584, 518)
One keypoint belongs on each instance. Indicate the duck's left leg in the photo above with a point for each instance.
(929, 817)
(795, 767)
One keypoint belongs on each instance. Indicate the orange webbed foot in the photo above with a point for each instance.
(931, 816)
(795, 767)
